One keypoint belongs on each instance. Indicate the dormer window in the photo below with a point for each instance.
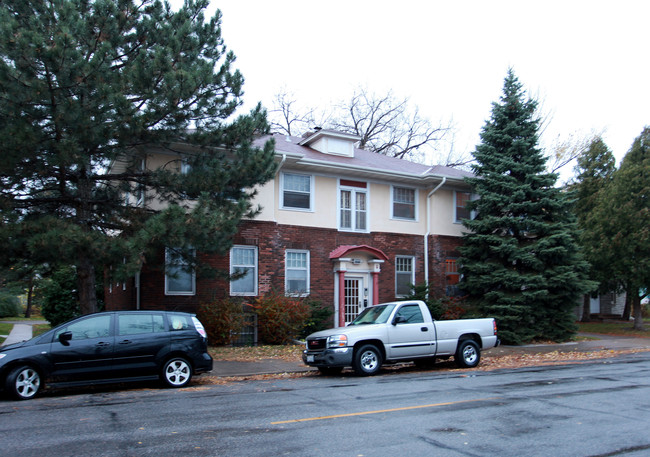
(331, 142)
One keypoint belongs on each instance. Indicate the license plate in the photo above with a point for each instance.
(310, 358)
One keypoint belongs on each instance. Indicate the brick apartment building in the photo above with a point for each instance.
(342, 225)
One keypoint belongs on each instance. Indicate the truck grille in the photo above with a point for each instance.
(316, 344)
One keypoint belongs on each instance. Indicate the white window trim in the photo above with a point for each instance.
(168, 292)
(311, 193)
(472, 213)
(353, 200)
(255, 272)
(286, 278)
(412, 281)
(415, 204)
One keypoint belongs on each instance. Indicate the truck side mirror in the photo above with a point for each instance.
(399, 320)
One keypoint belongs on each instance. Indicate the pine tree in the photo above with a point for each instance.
(595, 168)
(618, 228)
(520, 262)
(86, 86)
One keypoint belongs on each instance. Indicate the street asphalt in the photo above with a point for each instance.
(22, 330)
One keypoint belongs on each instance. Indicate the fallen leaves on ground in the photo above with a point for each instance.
(288, 353)
(292, 353)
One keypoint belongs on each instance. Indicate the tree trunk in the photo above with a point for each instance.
(86, 284)
(638, 312)
(30, 294)
(586, 308)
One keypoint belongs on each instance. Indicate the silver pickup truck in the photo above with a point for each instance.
(397, 332)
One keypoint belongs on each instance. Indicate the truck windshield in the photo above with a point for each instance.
(374, 315)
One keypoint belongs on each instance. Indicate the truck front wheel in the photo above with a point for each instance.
(468, 354)
(367, 360)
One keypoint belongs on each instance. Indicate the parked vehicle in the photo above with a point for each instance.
(398, 332)
(108, 347)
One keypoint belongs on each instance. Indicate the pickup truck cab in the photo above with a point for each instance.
(398, 332)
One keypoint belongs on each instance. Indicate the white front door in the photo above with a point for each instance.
(354, 298)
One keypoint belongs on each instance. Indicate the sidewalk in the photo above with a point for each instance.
(222, 368)
(21, 331)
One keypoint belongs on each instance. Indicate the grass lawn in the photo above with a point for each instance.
(39, 329)
(614, 328)
(4, 330)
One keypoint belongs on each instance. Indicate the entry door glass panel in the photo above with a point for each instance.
(353, 298)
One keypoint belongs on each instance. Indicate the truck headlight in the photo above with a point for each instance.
(337, 341)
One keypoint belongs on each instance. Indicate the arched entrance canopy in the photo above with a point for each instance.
(342, 257)
(341, 251)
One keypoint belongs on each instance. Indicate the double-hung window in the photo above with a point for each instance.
(353, 206)
(243, 267)
(297, 272)
(404, 203)
(461, 211)
(180, 278)
(296, 191)
(404, 275)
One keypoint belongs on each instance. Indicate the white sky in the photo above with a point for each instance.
(588, 62)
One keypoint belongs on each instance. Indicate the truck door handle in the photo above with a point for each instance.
(424, 329)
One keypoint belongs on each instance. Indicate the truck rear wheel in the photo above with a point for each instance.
(468, 354)
(367, 360)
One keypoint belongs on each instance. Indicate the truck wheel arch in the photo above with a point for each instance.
(471, 336)
(377, 343)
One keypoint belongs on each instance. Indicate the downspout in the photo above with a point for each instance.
(284, 158)
(426, 236)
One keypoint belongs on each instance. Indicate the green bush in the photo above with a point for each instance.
(9, 305)
(320, 317)
(60, 298)
(280, 319)
(222, 319)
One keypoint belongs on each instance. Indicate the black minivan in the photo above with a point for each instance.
(108, 347)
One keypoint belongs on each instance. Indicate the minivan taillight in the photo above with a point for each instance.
(199, 327)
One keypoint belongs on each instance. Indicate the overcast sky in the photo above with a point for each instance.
(588, 62)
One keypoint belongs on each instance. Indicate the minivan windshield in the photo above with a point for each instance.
(374, 315)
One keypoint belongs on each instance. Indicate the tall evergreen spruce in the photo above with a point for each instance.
(87, 85)
(618, 228)
(595, 169)
(519, 260)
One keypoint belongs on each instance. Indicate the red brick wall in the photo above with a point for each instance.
(272, 240)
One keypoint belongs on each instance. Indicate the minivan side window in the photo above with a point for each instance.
(132, 324)
(93, 327)
(179, 322)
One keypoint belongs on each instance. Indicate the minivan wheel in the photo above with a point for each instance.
(177, 372)
(23, 382)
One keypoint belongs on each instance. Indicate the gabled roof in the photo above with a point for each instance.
(365, 164)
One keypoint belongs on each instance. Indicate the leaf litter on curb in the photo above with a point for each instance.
(292, 353)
